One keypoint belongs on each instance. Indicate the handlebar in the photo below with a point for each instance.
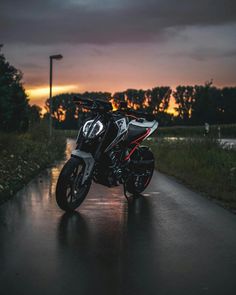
(85, 102)
(104, 106)
(93, 105)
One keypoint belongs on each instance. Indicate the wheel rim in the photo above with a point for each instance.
(142, 181)
(74, 190)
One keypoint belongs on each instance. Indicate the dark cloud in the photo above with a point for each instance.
(205, 54)
(211, 53)
(50, 21)
(31, 66)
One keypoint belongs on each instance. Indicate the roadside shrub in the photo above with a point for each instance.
(201, 163)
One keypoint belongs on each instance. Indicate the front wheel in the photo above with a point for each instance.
(70, 192)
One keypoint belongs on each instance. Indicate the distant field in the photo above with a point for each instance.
(226, 131)
(200, 163)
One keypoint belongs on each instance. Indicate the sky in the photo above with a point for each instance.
(112, 45)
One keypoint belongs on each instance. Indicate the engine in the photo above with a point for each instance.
(108, 170)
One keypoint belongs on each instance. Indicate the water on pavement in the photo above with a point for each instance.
(171, 241)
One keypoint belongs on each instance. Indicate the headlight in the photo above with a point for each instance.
(95, 130)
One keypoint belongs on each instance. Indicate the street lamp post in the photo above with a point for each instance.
(52, 57)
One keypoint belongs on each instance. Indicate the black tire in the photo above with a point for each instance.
(69, 192)
(135, 185)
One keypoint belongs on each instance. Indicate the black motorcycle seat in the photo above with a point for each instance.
(134, 132)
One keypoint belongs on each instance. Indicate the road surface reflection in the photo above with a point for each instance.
(171, 241)
(41, 243)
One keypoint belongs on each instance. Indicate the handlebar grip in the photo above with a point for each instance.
(94, 105)
(81, 99)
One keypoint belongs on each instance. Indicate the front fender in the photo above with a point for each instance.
(88, 160)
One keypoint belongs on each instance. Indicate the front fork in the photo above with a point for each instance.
(88, 160)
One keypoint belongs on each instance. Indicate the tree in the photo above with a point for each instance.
(135, 98)
(13, 99)
(160, 98)
(119, 96)
(153, 101)
(63, 111)
(34, 114)
(184, 99)
(228, 105)
(206, 101)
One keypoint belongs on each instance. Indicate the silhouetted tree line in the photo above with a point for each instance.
(15, 112)
(66, 115)
(195, 105)
(199, 104)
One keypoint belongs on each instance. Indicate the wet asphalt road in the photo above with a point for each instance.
(171, 241)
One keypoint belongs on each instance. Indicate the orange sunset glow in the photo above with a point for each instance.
(40, 94)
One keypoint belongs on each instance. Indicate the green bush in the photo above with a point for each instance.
(201, 163)
(22, 156)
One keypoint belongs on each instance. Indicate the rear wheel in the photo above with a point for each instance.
(70, 192)
(140, 175)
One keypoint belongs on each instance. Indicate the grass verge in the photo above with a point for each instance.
(22, 156)
(201, 164)
(226, 131)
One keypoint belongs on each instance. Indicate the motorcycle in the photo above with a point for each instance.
(107, 152)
